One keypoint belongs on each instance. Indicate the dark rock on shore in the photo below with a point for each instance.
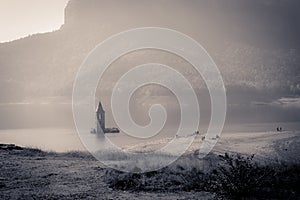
(10, 147)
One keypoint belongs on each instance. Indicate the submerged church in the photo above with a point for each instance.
(100, 122)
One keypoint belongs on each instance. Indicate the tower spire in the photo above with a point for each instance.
(100, 114)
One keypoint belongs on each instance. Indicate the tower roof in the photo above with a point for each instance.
(100, 108)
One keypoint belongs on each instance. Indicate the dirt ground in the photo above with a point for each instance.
(29, 174)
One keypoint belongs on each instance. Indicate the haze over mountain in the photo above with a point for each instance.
(254, 43)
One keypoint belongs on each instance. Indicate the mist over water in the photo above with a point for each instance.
(51, 127)
(63, 140)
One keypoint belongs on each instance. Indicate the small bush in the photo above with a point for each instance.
(238, 176)
(78, 154)
(166, 179)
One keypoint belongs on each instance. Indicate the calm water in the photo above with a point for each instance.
(62, 140)
(18, 125)
(47, 139)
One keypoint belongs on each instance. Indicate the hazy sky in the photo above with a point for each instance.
(19, 18)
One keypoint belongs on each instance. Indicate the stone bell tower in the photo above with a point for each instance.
(100, 122)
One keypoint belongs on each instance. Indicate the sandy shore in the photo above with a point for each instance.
(266, 146)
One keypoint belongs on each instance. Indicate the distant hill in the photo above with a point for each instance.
(233, 31)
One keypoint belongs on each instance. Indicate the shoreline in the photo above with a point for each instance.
(33, 173)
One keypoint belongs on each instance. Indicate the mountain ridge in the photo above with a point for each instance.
(46, 64)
